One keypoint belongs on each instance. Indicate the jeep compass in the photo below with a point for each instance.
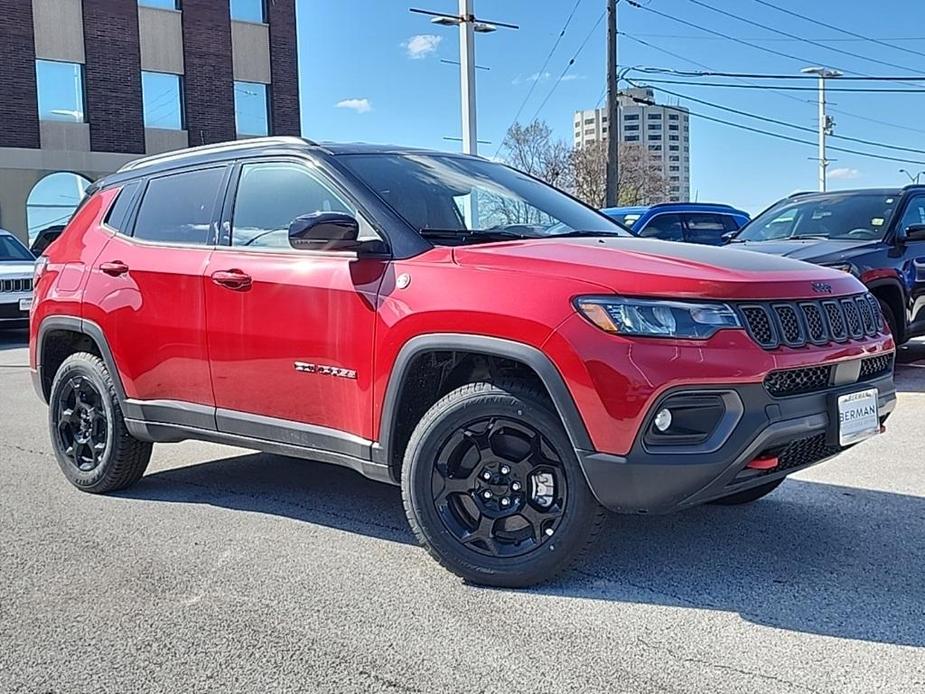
(513, 359)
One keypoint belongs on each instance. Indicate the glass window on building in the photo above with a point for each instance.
(251, 110)
(655, 116)
(162, 95)
(60, 91)
(248, 11)
(163, 4)
(53, 200)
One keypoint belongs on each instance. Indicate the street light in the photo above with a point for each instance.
(913, 179)
(826, 124)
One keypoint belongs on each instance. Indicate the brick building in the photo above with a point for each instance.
(88, 85)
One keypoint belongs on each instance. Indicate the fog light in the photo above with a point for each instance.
(663, 420)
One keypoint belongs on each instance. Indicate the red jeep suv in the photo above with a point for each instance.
(513, 359)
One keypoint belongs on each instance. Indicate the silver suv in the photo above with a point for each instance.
(16, 266)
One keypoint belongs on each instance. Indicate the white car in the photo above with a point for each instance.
(16, 266)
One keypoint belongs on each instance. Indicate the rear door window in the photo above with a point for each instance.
(179, 208)
(667, 227)
(704, 228)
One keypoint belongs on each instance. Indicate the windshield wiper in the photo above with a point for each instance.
(584, 234)
(807, 237)
(469, 235)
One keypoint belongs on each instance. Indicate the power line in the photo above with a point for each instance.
(766, 27)
(792, 97)
(871, 39)
(785, 124)
(694, 37)
(779, 136)
(569, 65)
(767, 76)
(542, 71)
(845, 90)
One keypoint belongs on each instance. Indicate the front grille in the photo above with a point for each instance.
(798, 381)
(805, 452)
(12, 311)
(17, 285)
(795, 324)
(872, 367)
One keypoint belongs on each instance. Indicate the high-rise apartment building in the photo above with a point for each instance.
(88, 85)
(664, 131)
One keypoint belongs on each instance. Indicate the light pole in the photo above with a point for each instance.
(468, 25)
(913, 179)
(826, 123)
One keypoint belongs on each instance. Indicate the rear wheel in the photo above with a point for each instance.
(749, 495)
(492, 487)
(93, 447)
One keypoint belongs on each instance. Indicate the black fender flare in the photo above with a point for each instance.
(84, 327)
(488, 346)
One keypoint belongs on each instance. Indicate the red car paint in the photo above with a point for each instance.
(234, 349)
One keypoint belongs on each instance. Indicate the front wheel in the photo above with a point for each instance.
(94, 449)
(493, 489)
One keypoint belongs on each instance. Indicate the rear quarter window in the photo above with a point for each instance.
(118, 214)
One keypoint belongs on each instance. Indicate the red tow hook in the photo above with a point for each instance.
(768, 463)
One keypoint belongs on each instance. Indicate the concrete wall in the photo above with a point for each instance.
(161, 39)
(21, 169)
(158, 140)
(65, 136)
(58, 30)
(251, 52)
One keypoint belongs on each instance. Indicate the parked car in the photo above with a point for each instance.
(45, 238)
(692, 222)
(15, 282)
(877, 235)
(514, 374)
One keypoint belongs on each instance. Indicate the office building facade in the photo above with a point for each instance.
(88, 85)
(663, 130)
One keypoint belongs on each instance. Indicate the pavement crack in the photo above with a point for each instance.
(728, 668)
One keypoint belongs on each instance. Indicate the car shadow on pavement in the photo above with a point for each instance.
(13, 339)
(811, 557)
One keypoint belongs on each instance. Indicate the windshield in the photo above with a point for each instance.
(855, 217)
(459, 197)
(12, 250)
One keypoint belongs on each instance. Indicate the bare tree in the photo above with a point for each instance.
(640, 178)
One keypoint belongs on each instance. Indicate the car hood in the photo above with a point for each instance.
(18, 268)
(648, 267)
(810, 250)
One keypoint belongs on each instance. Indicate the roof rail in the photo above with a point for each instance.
(722, 205)
(236, 145)
(801, 193)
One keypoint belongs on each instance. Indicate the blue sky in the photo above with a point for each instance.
(392, 87)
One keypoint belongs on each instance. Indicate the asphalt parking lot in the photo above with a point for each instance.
(224, 570)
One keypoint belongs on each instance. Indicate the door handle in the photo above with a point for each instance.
(232, 279)
(114, 268)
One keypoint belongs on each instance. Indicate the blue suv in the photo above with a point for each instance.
(693, 222)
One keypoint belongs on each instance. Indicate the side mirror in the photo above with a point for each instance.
(913, 232)
(324, 231)
(728, 236)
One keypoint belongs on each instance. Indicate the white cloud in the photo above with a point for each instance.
(843, 174)
(569, 78)
(358, 105)
(422, 45)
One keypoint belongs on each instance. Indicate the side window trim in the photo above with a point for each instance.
(226, 219)
(132, 220)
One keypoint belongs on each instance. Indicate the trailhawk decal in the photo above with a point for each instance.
(322, 370)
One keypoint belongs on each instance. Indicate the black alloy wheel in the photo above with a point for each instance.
(499, 487)
(493, 488)
(83, 428)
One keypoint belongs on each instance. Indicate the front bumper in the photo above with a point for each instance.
(11, 315)
(799, 429)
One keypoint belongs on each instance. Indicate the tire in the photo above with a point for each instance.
(891, 321)
(541, 515)
(749, 495)
(94, 449)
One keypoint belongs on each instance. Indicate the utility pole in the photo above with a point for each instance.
(826, 123)
(469, 26)
(912, 179)
(612, 196)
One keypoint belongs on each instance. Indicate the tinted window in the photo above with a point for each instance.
(178, 208)
(858, 216)
(915, 212)
(118, 214)
(664, 226)
(270, 195)
(12, 249)
(705, 228)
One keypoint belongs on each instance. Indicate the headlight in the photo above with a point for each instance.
(845, 267)
(657, 317)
